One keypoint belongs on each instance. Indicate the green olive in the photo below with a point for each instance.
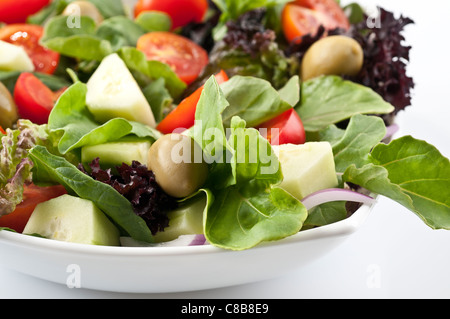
(333, 55)
(83, 8)
(8, 109)
(178, 165)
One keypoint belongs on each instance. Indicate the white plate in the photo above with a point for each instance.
(169, 269)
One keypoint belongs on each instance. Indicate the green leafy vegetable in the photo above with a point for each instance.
(411, 172)
(79, 128)
(255, 100)
(153, 70)
(330, 99)
(50, 168)
(354, 145)
(15, 166)
(245, 206)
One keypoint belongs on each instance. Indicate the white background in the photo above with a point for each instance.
(394, 255)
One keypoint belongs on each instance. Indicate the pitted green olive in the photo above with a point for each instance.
(333, 55)
(178, 165)
(85, 9)
(8, 109)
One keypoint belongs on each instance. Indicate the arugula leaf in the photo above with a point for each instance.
(328, 100)
(411, 172)
(49, 168)
(79, 128)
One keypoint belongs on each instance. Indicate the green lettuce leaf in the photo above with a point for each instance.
(15, 166)
(255, 100)
(54, 169)
(329, 100)
(411, 172)
(353, 145)
(72, 119)
(245, 206)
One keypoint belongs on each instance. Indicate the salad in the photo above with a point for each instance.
(192, 122)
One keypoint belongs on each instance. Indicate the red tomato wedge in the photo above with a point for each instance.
(186, 58)
(17, 11)
(302, 17)
(32, 196)
(183, 116)
(286, 128)
(182, 12)
(34, 99)
(28, 36)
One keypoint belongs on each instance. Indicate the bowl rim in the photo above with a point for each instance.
(341, 228)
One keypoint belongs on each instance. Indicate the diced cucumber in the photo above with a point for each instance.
(72, 219)
(186, 220)
(113, 92)
(116, 153)
(307, 168)
(14, 58)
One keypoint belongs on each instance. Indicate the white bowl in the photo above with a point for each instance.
(169, 269)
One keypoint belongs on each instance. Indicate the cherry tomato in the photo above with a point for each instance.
(183, 116)
(32, 196)
(28, 36)
(302, 17)
(286, 128)
(17, 11)
(34, 99)
(182, 12)
(185, 57)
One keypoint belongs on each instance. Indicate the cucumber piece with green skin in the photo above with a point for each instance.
(186, 220)
(72, 219)
(116, 153)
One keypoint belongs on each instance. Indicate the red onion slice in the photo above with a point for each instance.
(334, 195)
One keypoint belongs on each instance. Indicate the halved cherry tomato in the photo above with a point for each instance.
(182, 12)
(302, 17)
(2, 130)
(28, 36)
(34, 99)
(32, 196)
(183, 116)
(17, 11)
(185, 57)
(286, 128)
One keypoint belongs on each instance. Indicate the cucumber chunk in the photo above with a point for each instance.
(72, 219)
(113, 92)
(186, 220)
(307, 168)
(116, 153)
(14, 58)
